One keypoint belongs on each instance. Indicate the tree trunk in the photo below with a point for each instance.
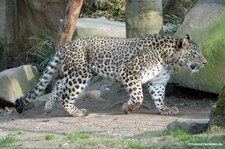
(3, 31)
(143, 17)
(66, 30)
(217, 116)
(71, 15)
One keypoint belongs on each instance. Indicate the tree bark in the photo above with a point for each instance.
(66, 31)
(69, 22)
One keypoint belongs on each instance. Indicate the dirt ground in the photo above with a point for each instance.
(104, 100)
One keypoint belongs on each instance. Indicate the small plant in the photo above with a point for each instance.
(111, 9)
(15, 133)
(133, 144)
(110, 143)
(73, 135)
(179, 134)
(215, 130)
(189, 140)
(41, 53)
(20, 132)
(48, 137)
(172, 22)
(6, 141)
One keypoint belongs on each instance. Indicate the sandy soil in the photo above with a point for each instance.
(104, 100)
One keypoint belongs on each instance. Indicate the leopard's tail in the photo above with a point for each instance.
(43, 82)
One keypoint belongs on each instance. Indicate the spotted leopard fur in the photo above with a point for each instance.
(133, 62)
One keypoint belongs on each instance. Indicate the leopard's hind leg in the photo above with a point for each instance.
(136, 96)
(133, 87)
(74, 83)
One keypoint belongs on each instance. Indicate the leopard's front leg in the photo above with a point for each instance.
(157, 90)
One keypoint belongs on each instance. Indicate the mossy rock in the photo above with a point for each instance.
(205, 23)
(192, 126)
(217, 116)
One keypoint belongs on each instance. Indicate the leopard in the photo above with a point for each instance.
(130, 61)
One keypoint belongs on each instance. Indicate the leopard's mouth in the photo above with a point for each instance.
(194, 67)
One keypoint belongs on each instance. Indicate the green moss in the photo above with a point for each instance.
(219, 109)
(217, 116)
(213, 44)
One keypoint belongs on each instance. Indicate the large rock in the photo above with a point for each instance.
(100, 26)
(205, 23)
(189, 126)
(16, 82)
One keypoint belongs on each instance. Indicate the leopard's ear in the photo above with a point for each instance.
(188, 37)
(183, 43)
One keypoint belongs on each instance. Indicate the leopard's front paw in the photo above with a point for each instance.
(80, 113)
(169, 110)
(127, 108)
(48, 106)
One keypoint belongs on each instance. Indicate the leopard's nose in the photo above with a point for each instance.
(204, 62)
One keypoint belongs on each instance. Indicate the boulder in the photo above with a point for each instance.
(205, 24)
(100, 27)
(17, 82)
(189, 126)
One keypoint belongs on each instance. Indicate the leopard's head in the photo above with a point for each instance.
(189, 54)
